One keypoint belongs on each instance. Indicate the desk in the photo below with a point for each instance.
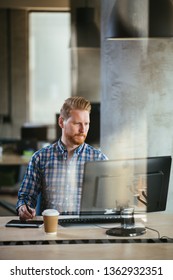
(13, 159)
(86, 242)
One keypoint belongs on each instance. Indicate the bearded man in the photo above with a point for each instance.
(56, 171)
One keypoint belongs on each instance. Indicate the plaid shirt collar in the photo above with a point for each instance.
(62, 149)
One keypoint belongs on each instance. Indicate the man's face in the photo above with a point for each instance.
(76, 127)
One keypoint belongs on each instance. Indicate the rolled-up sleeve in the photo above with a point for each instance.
(30, 186)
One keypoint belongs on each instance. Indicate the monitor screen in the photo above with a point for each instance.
(58, 128)
(140, 183)
(93, 136)
(129, 188)
(37, 132)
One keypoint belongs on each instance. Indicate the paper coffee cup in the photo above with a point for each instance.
(50, 218)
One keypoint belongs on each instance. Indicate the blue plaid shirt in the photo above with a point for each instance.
(58, 178)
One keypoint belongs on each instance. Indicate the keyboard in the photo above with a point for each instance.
(89, 220)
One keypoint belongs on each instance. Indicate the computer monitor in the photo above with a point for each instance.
(93, 136)
(126, 187)
(58, 128)
(36, 132)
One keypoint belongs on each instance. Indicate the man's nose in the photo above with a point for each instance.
(82, 127)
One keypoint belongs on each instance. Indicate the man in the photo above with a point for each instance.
(56, 171)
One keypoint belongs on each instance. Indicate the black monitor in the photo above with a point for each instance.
(93, 136)
(58, 128)
(126, 187)
(36, 132)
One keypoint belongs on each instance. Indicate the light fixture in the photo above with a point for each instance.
(135, 19)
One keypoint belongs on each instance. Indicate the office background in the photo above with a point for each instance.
(132, 80)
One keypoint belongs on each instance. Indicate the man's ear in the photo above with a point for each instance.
(61, 121)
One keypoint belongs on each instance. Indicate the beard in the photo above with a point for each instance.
(77, 139)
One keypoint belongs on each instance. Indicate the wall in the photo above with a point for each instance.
(3, 64)
(14, 82)
(136, 97)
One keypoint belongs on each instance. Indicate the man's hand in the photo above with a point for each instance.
(25, 213)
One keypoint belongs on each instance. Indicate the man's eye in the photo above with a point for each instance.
(77, 124)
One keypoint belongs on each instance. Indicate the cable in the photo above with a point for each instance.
(155, 231)
(167, 237)
(160, 237)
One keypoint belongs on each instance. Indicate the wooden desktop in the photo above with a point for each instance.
(87, 242)
(13, 159)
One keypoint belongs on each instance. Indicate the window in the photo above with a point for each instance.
(49, 64)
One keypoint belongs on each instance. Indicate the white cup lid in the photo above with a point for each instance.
(50, 212)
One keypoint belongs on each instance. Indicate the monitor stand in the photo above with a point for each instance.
(127, 227)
